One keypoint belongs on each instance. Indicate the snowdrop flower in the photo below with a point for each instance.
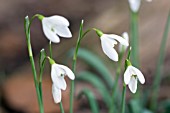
(108, 41)
(135, 4)
(58, 72)
(55, 26)
(131, 77)
(122, 48)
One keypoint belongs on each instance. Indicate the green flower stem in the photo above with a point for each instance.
(50, 49)
(114, 92)
(71, 96)
(80, 37)
(123, 99)
(159, 67)
(134, 39)
(27, 31)
(61, 107)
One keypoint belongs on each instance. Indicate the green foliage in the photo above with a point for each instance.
(91, 98)
(97, 83)
(135, 106)
(165, 106)
(134, 39)
(159, 66)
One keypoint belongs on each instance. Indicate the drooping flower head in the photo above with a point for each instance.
(58, 72)
(131, 77)
(55, 26)
(108, 41)
(135, 4)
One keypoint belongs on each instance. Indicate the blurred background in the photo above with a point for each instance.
(17, 92)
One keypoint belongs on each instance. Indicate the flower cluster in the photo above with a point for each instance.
(53, 27)
(56, 26)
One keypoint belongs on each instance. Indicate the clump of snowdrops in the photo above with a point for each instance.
(55, 27)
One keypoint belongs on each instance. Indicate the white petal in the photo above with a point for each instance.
(49, 33)
(133, 84)
(108, 49)
(127, 75)
(56, 94)
(118, 38)
(149, 0)
(134, 5)
(57, 76)
(68, 71)
(139, 75)
(112, 42)
(125, 36)
(122, 48)
(63, 31)
(57, 20)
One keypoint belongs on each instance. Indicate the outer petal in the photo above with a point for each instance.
(57, 20)
(127, 75)
(57, 75)
(118, 38)
(139, 75)
(112, 42)
(134, 5)
(108, 49)
(68, 71)
(56, 94)
(48, 32)
(63, 31)
(133, 84)
(125, 36)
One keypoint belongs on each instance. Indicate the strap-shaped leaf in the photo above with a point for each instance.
(96, 82)
(95, 62)
(91, 98)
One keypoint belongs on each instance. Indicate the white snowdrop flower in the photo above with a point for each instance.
(108, 41)
(55, 26)
(123, 48)
(135, 4)
(131, 77)
(58, 72)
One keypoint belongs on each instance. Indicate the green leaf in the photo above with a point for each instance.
(135, 106)
(165, 106)
(91, 98)
(159, 65)
(146, 111)
(95, 62)
(96, 82)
